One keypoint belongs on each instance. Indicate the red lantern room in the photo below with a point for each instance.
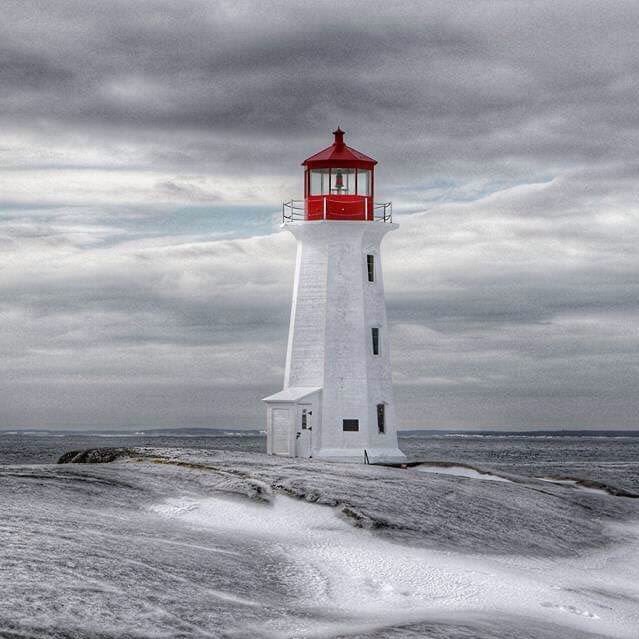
(338, 185)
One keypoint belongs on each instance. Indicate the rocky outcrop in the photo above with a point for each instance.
(96, 455)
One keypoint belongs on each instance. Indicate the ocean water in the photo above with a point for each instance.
(489, 536)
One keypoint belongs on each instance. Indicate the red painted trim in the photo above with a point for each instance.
(339, 207)
(338, 154)
(345, 164)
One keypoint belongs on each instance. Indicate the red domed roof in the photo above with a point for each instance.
(340, 155)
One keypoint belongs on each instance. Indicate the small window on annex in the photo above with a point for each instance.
(363, 182)
(351, 425)
(320, 181)
(343, 181)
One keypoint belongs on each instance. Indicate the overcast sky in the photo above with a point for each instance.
(145, 148)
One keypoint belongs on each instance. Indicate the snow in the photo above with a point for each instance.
(575, 484)
(460, 471)
(292, 394)
(190, 543)
(352, 573)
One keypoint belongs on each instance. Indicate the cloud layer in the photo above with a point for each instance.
(145, 149)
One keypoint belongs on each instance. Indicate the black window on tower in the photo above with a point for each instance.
(370, 264)
(350, 425)
(375, 338)
(381, 424)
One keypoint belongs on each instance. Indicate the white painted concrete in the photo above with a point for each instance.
(330, 342)
(284, 433)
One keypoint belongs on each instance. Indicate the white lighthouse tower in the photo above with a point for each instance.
(337, 403)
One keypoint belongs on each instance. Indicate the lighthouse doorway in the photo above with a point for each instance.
(304, 434)
(280, 431)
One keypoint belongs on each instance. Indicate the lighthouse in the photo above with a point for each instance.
(337, 400)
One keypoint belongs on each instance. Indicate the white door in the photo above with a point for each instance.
(280, 430)
(304, 430)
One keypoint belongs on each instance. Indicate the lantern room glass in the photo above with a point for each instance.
(363, 182)
(320, 181)
(343, 181)
(340, 182)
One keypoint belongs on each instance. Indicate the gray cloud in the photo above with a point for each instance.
(145, 148)
(444, 84)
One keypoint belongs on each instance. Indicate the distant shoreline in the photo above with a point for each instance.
(239, 432)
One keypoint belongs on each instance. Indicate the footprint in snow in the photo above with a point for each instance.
(571, 609)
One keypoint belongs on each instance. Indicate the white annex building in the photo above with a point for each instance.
(337, 403)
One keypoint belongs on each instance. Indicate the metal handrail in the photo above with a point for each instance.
(294, 210)
(383, 212)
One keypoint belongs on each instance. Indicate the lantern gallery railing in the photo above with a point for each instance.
(292, 211)
(329, 208)
(383, 212)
